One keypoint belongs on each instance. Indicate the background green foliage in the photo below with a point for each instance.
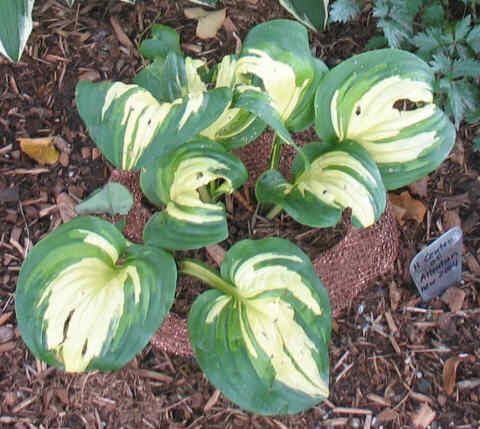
(444, 33)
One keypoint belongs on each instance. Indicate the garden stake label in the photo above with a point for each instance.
(439, 265)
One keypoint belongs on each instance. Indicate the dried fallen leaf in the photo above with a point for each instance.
(217, 253)
(208, 22)
(419, 187)
(91, 75)
(451, 219)
(195, 13)
(41, 149)
(450, 371)
(423, 417)
(66, 206)
(454, 298)
(413, 209)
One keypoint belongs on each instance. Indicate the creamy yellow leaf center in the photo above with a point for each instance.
(84, 305)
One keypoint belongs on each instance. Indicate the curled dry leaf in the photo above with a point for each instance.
(405, 207)
(41, 149)
(208, 22)
(450, 371)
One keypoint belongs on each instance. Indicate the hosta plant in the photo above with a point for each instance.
(87, 298)
(380, 129)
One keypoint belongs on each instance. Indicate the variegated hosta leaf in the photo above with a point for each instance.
(85, 300)
(235, 127)
(264, 344)
(131, 127)
(313, 13)
(277, 52)
(362, 98)
(15, 27)
(340, 176)
(172, 78)
(180, 181)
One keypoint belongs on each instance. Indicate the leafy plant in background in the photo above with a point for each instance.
(431, 30)
(261, 334)
(16, 25)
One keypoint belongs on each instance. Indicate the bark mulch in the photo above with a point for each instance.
(392, 356)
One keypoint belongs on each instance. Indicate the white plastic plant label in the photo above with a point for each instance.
(439, 265)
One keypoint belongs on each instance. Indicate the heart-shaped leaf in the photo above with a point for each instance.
(163, 41)
(278, 54)
(112, 199)
(340, 176)
(85, 300)
(131, 127)
(384, 101)
(180, 181)
(263, 341)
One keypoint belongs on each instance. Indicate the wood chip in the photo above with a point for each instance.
(353, 411)
(391, 323)
(120, 33)
(9, 195)
(4, 317)
(7, 346)
(387, 415)
(154, 375)
(395, 296)
(7, 333)
(423, 417)
(212, 401)
(454, 298)
(379, 400)
(338, 422)
(449, 374)
(472, 263)
(420, 397)
(66, 206)
(451, 219)
(33, 171)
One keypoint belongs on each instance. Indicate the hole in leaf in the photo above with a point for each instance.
(84, 348)
(405, 105)
(66, 325)
(358, 111)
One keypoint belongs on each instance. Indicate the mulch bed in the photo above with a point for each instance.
(388, 349)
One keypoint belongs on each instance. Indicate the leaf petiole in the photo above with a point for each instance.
(208, 276)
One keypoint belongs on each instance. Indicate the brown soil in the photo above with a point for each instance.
(388, 349)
